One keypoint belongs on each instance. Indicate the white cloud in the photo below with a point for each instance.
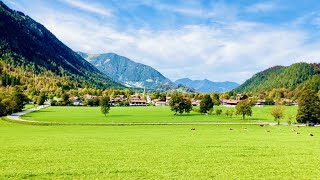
(88, 7)
(262, 7)
(232, 51)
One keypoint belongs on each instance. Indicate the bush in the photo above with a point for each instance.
(218, 112)
(210, 112)
(53, 102)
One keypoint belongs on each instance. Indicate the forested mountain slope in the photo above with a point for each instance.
(28, 44)
(289, 77)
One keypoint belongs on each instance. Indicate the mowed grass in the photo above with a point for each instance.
(158, 152)
(145, 114)
(29, 106)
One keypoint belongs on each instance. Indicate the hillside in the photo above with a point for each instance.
(289, 77)
(28, 44)
(207, 86)
(126, 71)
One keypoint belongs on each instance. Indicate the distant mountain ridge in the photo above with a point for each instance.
(289, 77)
(207, 86)
(24, 42)
(126, 71)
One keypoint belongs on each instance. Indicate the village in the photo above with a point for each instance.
(146, 100)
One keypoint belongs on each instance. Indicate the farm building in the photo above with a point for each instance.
(229, 103)
(137, 102)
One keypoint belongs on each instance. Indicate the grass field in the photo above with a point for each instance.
(143, 114)
(29, 106)
(158, 152)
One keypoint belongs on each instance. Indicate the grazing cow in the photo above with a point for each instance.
(293, 130)
(230, 129)
(310, 134)
(193, 129)
(298, 133)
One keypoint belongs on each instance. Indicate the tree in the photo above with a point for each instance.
(64, 99)
(309, 110)
(41, 99)
(105, 105)
(244, 107)
(179, 104)
(278, 113)
(206, 104)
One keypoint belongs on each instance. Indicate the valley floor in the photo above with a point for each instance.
(158, 152)
(147, 115)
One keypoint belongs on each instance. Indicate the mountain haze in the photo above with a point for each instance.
(126, 71)
(207, 85)
(24, 42)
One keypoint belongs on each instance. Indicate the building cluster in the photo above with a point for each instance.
(258, 103)
(141, 100)
(132, 100)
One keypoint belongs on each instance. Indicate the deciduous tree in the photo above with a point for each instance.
(206, 104)
(105, 105)
(244, 107)
(309, 110)
(278, 113)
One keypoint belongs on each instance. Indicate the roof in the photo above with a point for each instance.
(137, 101)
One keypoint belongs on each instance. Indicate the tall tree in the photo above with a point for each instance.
(206, 104)
(105, 105)
(309, 110)
(278, 113)
(244, 107)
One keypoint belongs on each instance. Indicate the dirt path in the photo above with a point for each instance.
(16, 116)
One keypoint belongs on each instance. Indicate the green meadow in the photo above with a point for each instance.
(158, 152)
(145, 114)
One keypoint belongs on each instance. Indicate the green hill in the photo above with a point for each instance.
(26, 44)
(289, 77)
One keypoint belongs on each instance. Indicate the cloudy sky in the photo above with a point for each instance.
(213, 39)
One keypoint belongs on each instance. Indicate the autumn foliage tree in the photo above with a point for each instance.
(278, 113)
(244, 108)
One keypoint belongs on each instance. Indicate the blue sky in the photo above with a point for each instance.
(212, 39)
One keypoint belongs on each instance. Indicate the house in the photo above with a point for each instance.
(229, 103)
(289, 102)
(168, 99)
(137, 102)
(241, 97)
(260, 102)
(89, 97)
(76, 101)
(160, 103)
(195, 102)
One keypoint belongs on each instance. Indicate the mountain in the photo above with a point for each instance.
(126, 71)
(26, 43)
(289, 77)
(207, 86)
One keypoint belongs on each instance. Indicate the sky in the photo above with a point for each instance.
(198, 39)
